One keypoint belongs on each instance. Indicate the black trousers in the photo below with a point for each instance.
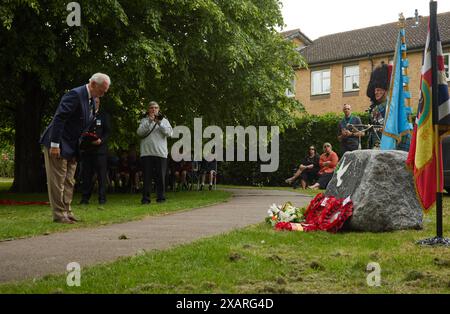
(324, 179)
(154, 168)
(92, 163)
(309, 175)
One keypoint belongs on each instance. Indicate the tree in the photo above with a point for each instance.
(219, 59)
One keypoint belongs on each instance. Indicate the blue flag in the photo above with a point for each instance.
(396, 122)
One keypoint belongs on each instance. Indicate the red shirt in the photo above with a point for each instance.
(333, 157)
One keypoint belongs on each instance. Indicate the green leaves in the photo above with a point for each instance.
(217, 59)
(8, 8)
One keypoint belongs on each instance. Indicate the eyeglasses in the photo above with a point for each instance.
(312, 149)
(153, 107)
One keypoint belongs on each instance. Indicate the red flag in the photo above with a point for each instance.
(424, 151)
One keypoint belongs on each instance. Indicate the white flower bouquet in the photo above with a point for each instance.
(285, 213)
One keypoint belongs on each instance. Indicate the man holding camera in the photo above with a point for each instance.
(154, 130)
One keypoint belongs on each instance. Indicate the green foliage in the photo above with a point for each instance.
(222, 60)
(7, 133)
(294, 143)
(7, 161)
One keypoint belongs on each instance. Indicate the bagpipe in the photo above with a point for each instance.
(373, 131)
(363, 127)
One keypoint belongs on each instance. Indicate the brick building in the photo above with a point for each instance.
(339, 65)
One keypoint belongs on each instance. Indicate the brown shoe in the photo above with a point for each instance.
(63, 221)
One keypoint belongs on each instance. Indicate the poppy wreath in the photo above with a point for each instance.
(86, 140)
(333, 219)
(314, 211)
(327, 213)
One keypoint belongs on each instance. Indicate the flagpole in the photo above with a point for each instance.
(435, 99)
(439, 239)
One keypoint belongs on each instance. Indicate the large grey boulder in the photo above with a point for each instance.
(381, 188)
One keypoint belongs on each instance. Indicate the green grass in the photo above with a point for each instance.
(258, 260)
(31, 220)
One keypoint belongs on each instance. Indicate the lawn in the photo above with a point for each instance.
(30, 220)
(258, 260)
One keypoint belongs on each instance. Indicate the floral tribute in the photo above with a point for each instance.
(281, 217)
(326, 213)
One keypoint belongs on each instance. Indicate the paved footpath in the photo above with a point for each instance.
(38, 256)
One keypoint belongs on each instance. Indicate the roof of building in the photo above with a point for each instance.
(373, 40)
(296, 33)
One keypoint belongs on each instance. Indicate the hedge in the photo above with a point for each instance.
(294, 143)
(7, 161)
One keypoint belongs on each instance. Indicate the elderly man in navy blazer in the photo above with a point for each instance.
(73, 116)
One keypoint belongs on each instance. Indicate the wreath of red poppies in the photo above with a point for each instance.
(327, 213)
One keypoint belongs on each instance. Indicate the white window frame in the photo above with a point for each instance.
(290, 92)
(353, 78)
(322, 91)
(447, 65)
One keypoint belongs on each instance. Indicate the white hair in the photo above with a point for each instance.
(100, 78)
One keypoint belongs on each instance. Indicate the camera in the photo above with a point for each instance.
(159, 116)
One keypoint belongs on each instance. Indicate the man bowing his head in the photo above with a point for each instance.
(74, 114)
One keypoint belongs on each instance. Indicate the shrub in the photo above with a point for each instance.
(7, 161)
(294, 143)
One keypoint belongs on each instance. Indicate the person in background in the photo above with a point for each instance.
(350, 138)
(405, 141)
(112, 177)
(377, 92)
(154, 130)
(308, 169)
(328, 162)
(135, 169)
(94, 157)
(123, 172)
(208, 168)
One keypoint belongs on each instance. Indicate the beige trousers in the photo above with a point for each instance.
(60, 182)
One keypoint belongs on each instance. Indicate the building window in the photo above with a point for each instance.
(320, 82)
(446, 65)
(290, 92)
(351, 78)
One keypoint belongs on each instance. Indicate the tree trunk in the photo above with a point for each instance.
(29, 171)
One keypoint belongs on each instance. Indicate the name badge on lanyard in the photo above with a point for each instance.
(98, 122)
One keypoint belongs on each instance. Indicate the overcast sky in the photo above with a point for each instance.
(317, 18)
